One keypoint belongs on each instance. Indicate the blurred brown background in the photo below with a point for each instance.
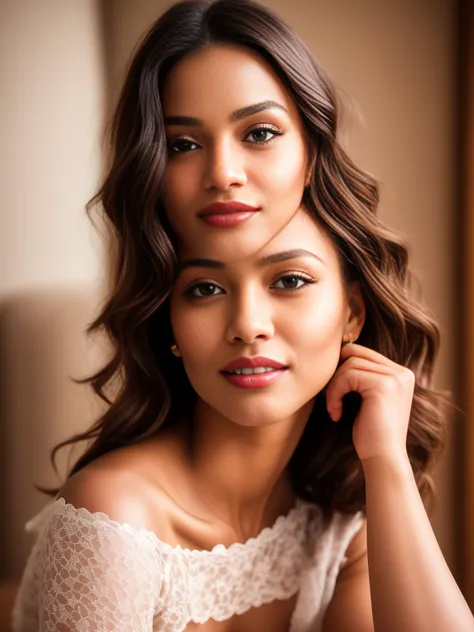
(405, 72)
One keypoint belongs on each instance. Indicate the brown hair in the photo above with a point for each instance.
(153, 390)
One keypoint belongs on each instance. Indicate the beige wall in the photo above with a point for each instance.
(51, 103)
(395, 60)
(51, 99)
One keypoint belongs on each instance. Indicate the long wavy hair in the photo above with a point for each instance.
(150, 389)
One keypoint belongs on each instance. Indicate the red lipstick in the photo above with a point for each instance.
(226, 214)
(240, 372)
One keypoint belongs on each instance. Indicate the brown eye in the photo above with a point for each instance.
(181, 146)
(203, 290)
(293, 282)
(260, 134)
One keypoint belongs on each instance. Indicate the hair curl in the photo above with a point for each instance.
(154, 391)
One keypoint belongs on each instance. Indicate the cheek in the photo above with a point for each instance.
(180, 189)
(198, 344)
(195, 339)
(284, 171)
(176, 189)
(314, 331)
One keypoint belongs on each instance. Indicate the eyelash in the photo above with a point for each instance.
(267, 128)
(307, 281)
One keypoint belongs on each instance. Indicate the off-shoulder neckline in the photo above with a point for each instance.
(282, 523)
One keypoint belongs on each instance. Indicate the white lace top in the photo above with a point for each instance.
(87, 572)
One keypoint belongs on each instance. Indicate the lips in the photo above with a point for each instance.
(253, 373)
(227, 214)
(224, 208)
(252, 363)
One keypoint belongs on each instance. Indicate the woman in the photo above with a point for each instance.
(252, 472)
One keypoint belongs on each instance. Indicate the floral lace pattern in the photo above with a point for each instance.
(87, 572)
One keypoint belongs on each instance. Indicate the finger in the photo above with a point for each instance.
(362, 378)
(367, 365)
(361, 351)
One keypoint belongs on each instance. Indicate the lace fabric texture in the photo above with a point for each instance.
(87, 572)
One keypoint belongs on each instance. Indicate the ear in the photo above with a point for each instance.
(356, 309)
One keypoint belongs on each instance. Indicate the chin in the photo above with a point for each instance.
(256, 409)
(258, 416)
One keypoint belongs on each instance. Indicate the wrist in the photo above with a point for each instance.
(394, 465)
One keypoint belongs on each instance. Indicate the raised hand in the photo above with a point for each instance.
(381, 425)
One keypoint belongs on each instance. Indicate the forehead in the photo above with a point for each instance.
(235, 75)
(301, 232)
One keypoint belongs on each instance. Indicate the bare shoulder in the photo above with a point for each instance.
(124, 484)
(117, 492)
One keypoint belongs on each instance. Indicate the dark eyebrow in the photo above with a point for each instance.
(278, 257)
(200, 263)
(241, 113)
(288, 254)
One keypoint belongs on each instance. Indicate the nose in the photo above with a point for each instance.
(225, 167)
(250, 319)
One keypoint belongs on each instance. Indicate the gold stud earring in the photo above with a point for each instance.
(175, 351)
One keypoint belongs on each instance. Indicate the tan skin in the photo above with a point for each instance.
(236, 483)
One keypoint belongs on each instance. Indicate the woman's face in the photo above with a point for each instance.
(234, 134)
(286, 302)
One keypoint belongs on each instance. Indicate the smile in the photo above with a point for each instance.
(258, 369)
(258, 377)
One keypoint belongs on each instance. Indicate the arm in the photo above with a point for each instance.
(411, 585)
(396, 578)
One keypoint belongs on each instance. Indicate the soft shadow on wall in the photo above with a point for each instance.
(42, 346)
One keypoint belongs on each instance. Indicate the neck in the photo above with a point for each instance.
(241, 472)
